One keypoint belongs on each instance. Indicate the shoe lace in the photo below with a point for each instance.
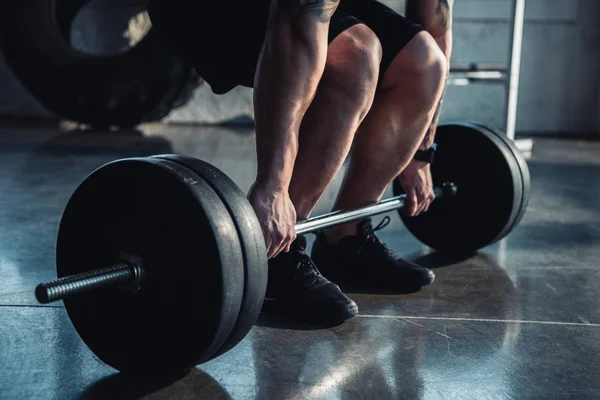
(305, 270)
(372, 239)
(384, 222)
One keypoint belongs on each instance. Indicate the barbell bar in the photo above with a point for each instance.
(128, 274)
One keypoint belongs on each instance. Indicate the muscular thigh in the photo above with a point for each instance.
(393, 30)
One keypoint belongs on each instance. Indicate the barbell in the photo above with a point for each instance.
(162, 264)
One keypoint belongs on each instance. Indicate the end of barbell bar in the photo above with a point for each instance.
(126, 274)
(42, 294)
(449, 189)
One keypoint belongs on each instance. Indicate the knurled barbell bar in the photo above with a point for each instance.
(186, 258)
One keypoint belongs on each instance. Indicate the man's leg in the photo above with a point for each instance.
(388, 138)
(436, 17)
(344, 97)
(416, 77)
(386, 141)
(342, 100)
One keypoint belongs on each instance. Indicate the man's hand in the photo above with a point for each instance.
(277, 217)
(418, 185)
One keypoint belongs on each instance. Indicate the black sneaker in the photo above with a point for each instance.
(365, 257)
(297, 289)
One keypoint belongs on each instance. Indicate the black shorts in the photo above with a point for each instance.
(222, 39)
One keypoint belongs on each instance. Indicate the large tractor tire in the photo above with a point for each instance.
(141, 83)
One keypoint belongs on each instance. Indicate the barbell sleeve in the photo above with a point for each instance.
(119, 274)
(344, 216)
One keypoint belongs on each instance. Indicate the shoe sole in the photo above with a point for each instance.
(275, 307)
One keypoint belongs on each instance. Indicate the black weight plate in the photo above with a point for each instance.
(189, 247)
(516, 170)
(251, 239)
(489, 191)
(525, 174)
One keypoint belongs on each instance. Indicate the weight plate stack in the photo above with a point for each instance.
(164, 215)
(525, 174)
(251, 240)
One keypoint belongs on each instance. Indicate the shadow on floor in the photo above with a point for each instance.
(437, 260)
(195, 384)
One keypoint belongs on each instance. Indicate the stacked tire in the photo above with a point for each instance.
(122, 90)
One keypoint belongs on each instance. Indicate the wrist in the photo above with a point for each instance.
(271, 184)
(426, 155)
(418, 164)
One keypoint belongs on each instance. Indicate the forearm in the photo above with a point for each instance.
(290, 67)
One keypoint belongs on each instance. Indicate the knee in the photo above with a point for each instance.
(430, 60)
(354, 55)
(421, 63)
(352, 66)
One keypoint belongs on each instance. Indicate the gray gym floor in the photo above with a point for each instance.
(520, 320)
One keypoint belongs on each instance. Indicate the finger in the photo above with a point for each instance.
(284, 241)
(427, 201)
(421, 208)
(272, 250)
(421, 202)
(278, 246)
(288, 245)
(430, 200)
(276, 252)
(268, 245)
(292, 238)
(411, 202)
(427, 204)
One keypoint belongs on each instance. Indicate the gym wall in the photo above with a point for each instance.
(560, 82)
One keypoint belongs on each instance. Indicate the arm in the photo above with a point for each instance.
(436, 17)
(290, 67)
